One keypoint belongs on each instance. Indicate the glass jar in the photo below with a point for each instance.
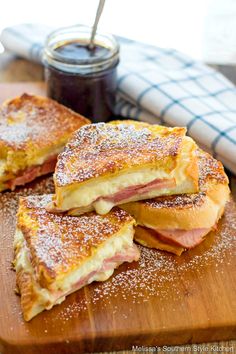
(80, 78)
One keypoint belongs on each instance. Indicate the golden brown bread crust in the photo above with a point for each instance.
(30, 299)
(102, 149)
(32, 129)
(32, 121)
(28, 296)
(187, 211)
(60, 243)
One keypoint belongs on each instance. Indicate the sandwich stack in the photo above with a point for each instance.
(114, 183)
(175, 191)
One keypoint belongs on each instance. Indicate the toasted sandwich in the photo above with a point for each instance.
(180, 222)
(55, 255)
(33, 130)
(105, 165)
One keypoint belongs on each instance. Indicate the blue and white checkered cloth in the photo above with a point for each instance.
(160, 86)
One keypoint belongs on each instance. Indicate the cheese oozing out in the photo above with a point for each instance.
(67, 283)
(88, 195)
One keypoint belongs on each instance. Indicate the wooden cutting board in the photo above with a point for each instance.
(162, 299)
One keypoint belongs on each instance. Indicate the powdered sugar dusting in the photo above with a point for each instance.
(210, 171)
(176, 201)
(28, 121)
(9, 204)
(158, 274)
(65, 241)
(8, 208)
(97, 149)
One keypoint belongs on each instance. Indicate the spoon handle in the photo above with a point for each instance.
(98, 15)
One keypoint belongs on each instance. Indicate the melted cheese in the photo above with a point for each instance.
(39, 160)
(9, 167)
(66, 284)
(103, 207)
(86, 194)
(20, 160)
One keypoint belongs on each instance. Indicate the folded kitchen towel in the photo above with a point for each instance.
(159, 86)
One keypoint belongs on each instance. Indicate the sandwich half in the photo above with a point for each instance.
(180, 222)
(55, 255)
(33, 130)
(105, 165)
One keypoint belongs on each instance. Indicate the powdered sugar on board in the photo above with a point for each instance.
(157, 274)
(8, 209)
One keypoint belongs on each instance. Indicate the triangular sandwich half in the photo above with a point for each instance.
(105, 165)
(55, 255)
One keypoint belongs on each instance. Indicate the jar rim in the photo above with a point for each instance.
(80, 33)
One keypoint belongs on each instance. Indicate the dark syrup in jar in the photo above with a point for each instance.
(73, 50)
(91, 94)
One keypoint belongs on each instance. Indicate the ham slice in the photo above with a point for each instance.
(31, 173)
(184, 238)
(129, 254)
(140, 189)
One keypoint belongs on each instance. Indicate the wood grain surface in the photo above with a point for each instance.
(160, 300)
(9, 90)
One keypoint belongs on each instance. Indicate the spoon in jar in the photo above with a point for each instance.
(97, 18)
